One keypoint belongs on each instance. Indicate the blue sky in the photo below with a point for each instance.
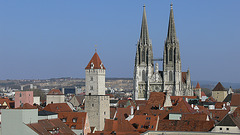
(57, 38)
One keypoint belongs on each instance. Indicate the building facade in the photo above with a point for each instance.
(147, 77)
(22, 97)
(97, 104)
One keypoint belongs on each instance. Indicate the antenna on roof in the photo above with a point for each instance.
(95, 48)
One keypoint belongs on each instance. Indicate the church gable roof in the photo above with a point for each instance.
(96, 61)
(219, 87)
(198, 86)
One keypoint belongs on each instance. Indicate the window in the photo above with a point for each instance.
(170, 54)
(227, 128)
(91, 87)
(143, 75)
(20, 95)
(91, 78)
(74, 120)
(92, 105)
(220, 128)
(73, 126)
(170, 76)
(64, 119)
(104, 113)
(142, 126)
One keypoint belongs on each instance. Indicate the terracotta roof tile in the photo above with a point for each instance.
(27, 106)
(194, 116)
(185, 125)
(202, 93)
(198, 86)
(55, 92)
(218, 115)
(6, 101)
(112, 112)
(120, 127)
(210, 99)
(219, 87)
(80, 118)
(235, 99)
(123, 113)
(144, 122)
(58, 107)
(44, 126)
(96, 61)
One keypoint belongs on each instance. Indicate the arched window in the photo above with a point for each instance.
(170, 76)
(143, 55)
(170, 54)
(143, 75)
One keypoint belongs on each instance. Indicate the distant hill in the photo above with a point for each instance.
(211, 84)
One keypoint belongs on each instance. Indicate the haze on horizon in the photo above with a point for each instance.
(51, 39)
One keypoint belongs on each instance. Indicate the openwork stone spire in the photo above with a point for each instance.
(171, 36)
(144, 37)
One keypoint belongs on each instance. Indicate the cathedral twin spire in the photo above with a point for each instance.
(144, 37)
(171, 36)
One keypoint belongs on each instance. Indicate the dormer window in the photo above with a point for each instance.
(74, 120)
(73, 126)
(101, 65)
(92, 65)
(64, 119)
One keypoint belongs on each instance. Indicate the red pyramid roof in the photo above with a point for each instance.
(219, 87)
(96, 61)
(198, 86)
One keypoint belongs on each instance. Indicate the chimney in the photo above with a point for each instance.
(132, 110)
(137, 107)
(63, 91)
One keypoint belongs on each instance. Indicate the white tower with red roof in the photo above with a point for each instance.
(97, 104)
(95, 76)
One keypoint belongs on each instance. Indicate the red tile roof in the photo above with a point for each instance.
(218, 115)
(202, 93)
(183, 107)
(96, 61)
(194, 116)
(236, 112)
(27, 106)
(69, 116)
(144, 122)
(125, 103)
(210, 99)
(120, 127)
(176, 99)
(58, 107)
(198, 86)
(219, 87)
(55, 92)
(185, 125)
(123, 113)
(44, 126)
(7, 101)
(112, 112)
(235, 99)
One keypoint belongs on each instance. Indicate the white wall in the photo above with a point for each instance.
(14, 121)
(36, 100)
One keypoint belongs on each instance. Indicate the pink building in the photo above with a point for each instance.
(22, 97)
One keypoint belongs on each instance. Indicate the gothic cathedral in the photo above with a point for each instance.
(149, 79)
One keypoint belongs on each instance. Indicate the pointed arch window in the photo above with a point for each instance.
(143, 75)
(170, 76)
(143, 55)
(170, 54)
